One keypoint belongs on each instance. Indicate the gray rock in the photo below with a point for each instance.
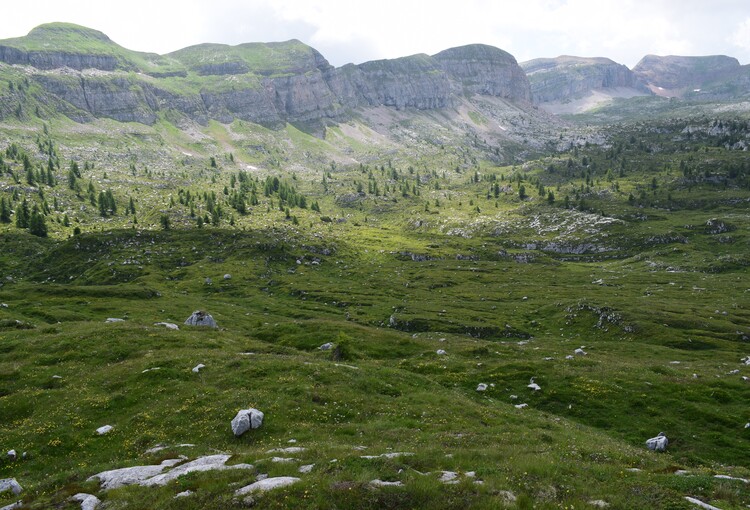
(10, 484)
(208, 463)
(12, 506)
(88, 501)
(701, 504)
(183, 494)
(105, 429)
(658, 443)
(197, 368)
(283, 460)
(267, 485)
(227, 276)
(507, 496)
(167, 325)
(200, 318)
(481, 387)
(441, 352)
(114, 319)
(599, 503)
(134, 475)
(290, 449)
(245, 420)
(326, 346)
(306, 468)
(12, 455)
(381, 483)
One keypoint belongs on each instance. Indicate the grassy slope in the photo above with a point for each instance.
(666, 290)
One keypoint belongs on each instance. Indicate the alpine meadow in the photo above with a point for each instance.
(439, 281)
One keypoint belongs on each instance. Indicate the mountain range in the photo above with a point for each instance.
(85, 75)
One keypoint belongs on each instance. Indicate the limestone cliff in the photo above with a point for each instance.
(679, 75)
(565, 77)
(266, 83)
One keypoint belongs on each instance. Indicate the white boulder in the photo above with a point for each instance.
(658, 443)
(245, 420)
(267, 485)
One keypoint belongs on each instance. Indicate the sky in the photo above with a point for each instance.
(347, 31)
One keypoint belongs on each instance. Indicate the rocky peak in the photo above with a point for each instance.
(568, 77)
(486, 70)
(674, 75)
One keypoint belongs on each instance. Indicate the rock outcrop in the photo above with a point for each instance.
(565, 77)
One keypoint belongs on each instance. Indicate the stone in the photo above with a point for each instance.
(167, 325)
(449, 477)
(290, 449)
(534, 386)
(183, 494)
(197, 368)
(701, 504)
(12, 506)
(441, 352)
(507, 496)
(208, 463)
(105, 429)
(481, 387)
(227, 276)
(521, 406)
(113, 319)
(580, 352)
(200, 318)
(391, 455)
(599, 503)
(208, 281)
(267, 485)
(658, 443)
(10, 484)
(245, 420)
(306, 468)
(12, 455)
(88, 501)
(283, 460)
(135, 475)
(381, 483)
(326, 346)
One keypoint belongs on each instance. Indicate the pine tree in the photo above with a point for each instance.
(37, 223)
(22, 215)
(4, 211)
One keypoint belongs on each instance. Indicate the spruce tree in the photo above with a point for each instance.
(4, 211)
(37, 223)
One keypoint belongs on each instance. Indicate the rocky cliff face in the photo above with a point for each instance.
(269, 83)
(564, 78)
(676, 75)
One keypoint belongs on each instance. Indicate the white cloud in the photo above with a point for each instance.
(741, 36)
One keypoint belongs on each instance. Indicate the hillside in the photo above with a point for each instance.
(438, 294)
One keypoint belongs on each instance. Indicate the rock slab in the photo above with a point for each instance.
(267, 485)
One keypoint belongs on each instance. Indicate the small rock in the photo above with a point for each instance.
(481, 387)
(197, 368)
(208, 281)
(290, 449)
(326, 346)
(521, 406)
(449, 477)
(599, 503)
(441, 352)
(12, 455)
(267, 485)
(507, 496)
(200, 318)
(10, 484)
(306, 468)
(183, 494)
(167, 325)
(391, 455)
(534, 386)
(56, 377)
(569, 356)
(245, 420)
(106, 429)
(114, 319)
(13, 506)
(701, 504)
(381, 483)
(658, 443)
(283, 460)
(3, 305)
(227, 276)
(88, 501)
(580, 352)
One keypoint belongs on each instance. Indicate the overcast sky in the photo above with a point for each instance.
(352, 31)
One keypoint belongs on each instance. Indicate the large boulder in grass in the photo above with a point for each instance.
(658, 443)
(245, 420)
(200, 318)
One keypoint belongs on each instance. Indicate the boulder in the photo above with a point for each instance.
(88, 501)
(267, 485)
(245, 420)
(200, 318)
(105, 429)
(10, 484)
(658, 443)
